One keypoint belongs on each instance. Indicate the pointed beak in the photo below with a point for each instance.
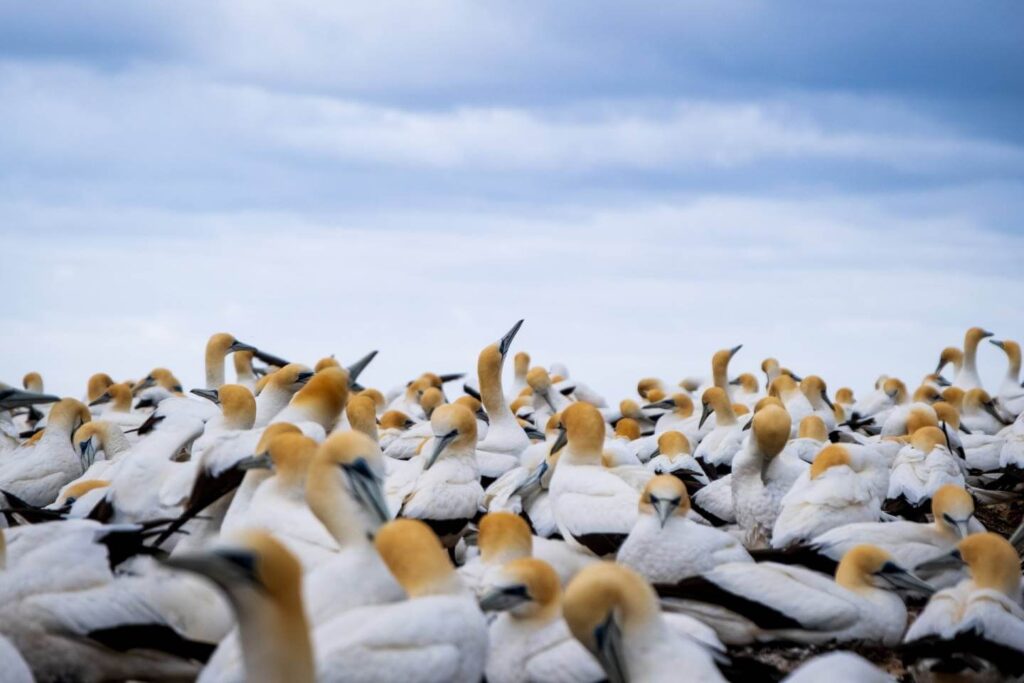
(211, 395)
(498, 599)
(533, 480)
(898, 577)
(241, 346)
(88, 450)
(534, 434)
(366, 488)
(735, 382)
(357, 368)
(667, 404)
(105, 398)
(827, 400)
(268, 358)
(481, 415)
(506, 342)
(986, 333)
(942, 381)
(991, 410)
(664, 508)
(451, 377)
(440, 443)
(560, 441)
(939, 366)
(941, 563)
(255, 462)
(610, 651)
(996, 342)
(144, 384)
(704, 414)
(303, 377)
(214, 565)
(963, 527)
(734, 350)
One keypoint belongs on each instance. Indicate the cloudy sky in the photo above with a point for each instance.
(840, 185)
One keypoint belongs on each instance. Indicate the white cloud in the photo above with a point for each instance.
(165, 122)
(828, 286)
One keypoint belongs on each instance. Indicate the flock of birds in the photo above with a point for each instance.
(296, 526)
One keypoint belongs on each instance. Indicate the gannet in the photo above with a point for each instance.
(760, 479)
(909, 543)
(978, 624)
(546, 401)
(842, 486)
(320, 401)
(115, 405)
(793, 397)
(279, 504)
(523, 489)
(922, 466)
(664, 546)
(217, 347)
(816, 392)
(838, 667)
(680, 417)
(1011, 393)
(263, 581)
(521, 367)
(36, 473)
(96, 385)
(241, 465)
(951, 355)
(721, 443)
(529, 639)
(277, 390)
(438, 634)
(593, 508)
(244, 373)
(613, 612)
(397, 437)
(746, 390)
(672, 456)
(499, 451)
(504, 537)
(343, 491)
(811, 437)
(980, 414)
(32, 382)
(720, 369)
(967, 377)
(747, 602)
(444, 486)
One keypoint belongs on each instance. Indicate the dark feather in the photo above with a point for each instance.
(800, 554)
(158, 637)
(150, 424)
(700, 589)
(601, 544)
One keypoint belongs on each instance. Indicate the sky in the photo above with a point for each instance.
(838, 184)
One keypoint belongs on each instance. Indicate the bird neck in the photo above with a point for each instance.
(276, 645)
(214, 369)
(331, 504)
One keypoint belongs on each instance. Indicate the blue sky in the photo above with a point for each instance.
(836, 184)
